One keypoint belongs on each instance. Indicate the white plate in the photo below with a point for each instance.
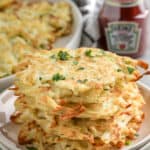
(6, 109)
(71, 41)
(6, 82)
(146, 147)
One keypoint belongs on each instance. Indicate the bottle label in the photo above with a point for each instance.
(123, 3)
(123, 37)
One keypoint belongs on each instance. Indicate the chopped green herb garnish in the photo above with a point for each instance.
(136, 134)
(81, 68)
(40, 78)
(128, 143)
(119, 70)
(53, 57)
(106, 89)
(42, 46)
(20, 35)
(88, 53)
(31, 148)
(58, 77)
(75, 62)
(63, 55)
(82, 81)
(130, 70)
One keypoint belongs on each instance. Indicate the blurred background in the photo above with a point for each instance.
(90, 10)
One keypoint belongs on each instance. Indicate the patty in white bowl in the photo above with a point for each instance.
(28, 27)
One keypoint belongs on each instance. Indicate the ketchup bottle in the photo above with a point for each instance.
(123, 27)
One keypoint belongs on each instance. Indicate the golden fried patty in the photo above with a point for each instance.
(84, 98)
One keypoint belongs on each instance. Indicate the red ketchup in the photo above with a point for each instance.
(123, 27)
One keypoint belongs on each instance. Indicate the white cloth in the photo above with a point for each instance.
(90, 10)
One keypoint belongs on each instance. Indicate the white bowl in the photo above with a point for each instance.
(7, 108)
(71, 41)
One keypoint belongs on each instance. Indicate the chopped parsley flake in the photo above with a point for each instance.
(20, 35)
(62, 55)
(42, 46)
(40, 78)
(31, 148)
(130, 70)
(88, 53)
(81, 68)
(128, 143)
(106, 89)
(119, 70)
(58, 77)
(82, 81)
(75, 62)
(53, 57)
(136, 134)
